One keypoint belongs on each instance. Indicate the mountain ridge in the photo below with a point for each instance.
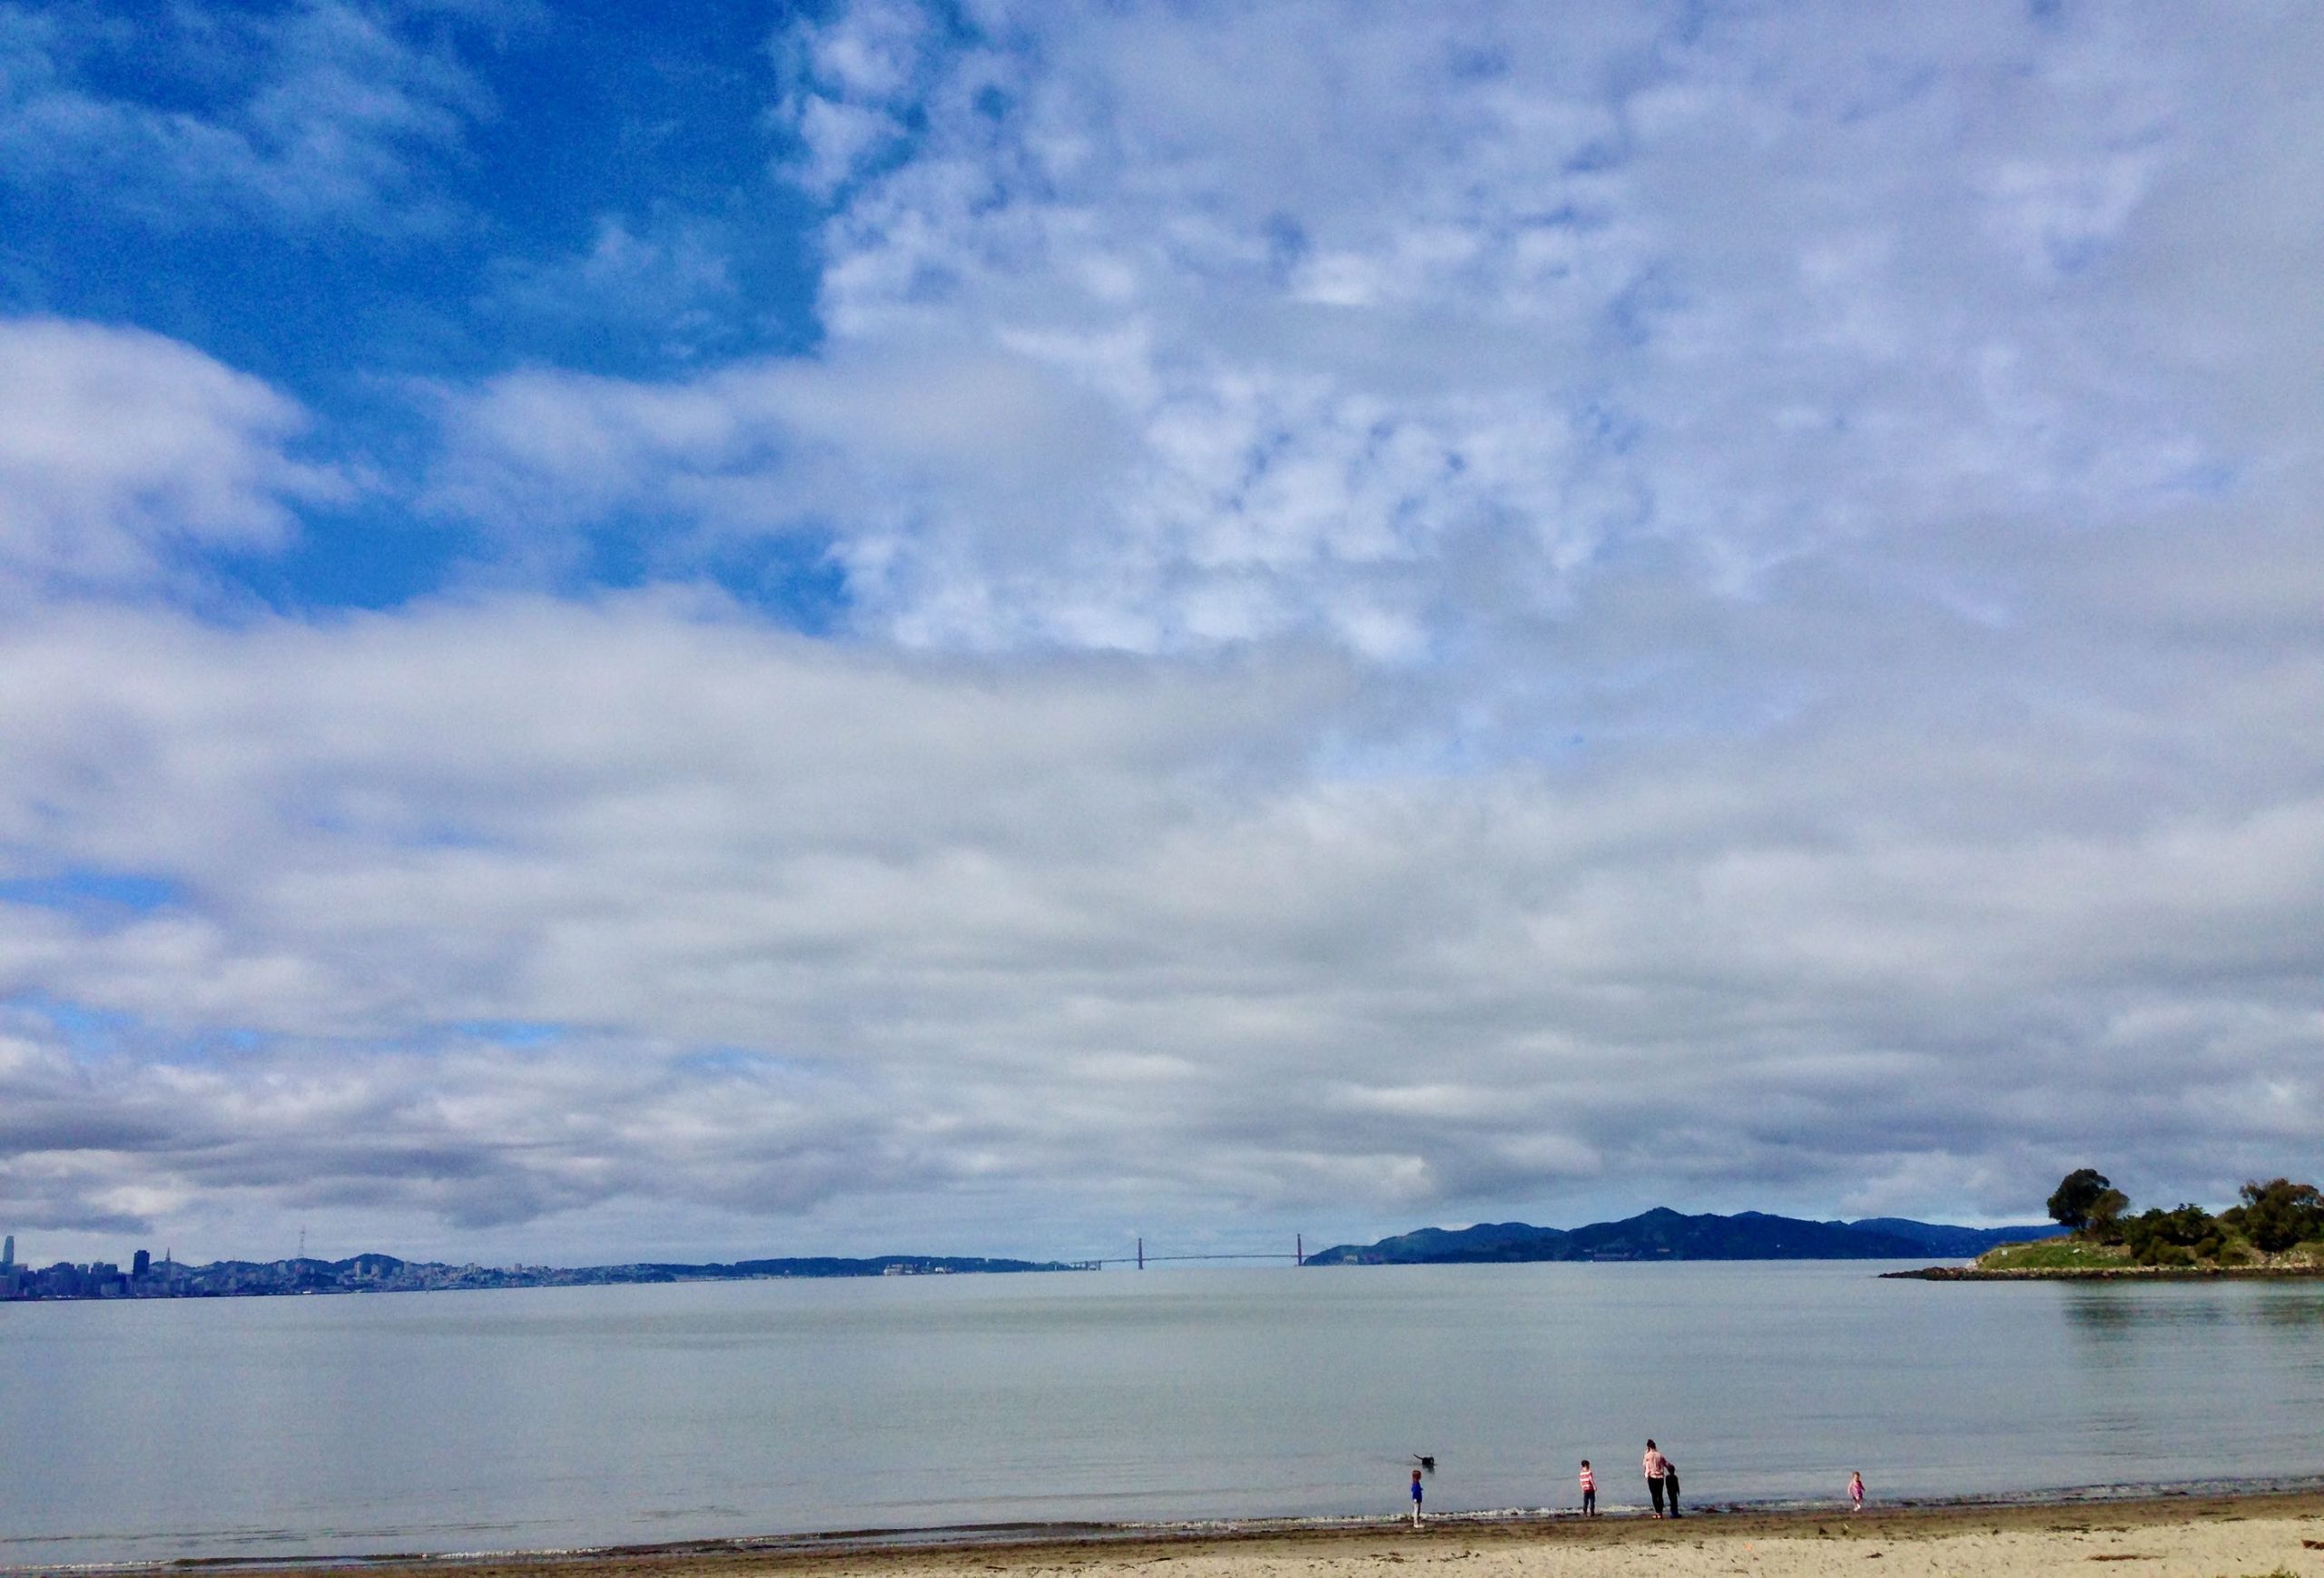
(1663, 1233)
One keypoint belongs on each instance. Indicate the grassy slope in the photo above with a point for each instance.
(2052, 1255)
(2069, 1255)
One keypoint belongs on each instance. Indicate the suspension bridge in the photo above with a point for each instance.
(1141, 1259)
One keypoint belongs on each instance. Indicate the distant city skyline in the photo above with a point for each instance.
(376, 1272)
(630, 632)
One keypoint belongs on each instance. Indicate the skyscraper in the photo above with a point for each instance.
(8, 1253)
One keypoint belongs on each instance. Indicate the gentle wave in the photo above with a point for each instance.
(950, 1535)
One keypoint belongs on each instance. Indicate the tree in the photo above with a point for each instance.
(2086, 1195)
(2179, 1238)
(2279, 1213)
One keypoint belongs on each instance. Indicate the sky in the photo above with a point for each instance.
(994, 626)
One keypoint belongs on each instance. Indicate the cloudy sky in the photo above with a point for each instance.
(991, 625)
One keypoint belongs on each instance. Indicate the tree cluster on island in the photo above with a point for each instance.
(2271, 1221)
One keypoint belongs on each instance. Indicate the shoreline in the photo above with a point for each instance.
(2204, 1522)
(2107, 1273)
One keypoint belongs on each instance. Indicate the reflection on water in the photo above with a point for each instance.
(2195, 1371)
(2120, 1313)
(564, 1416)
(2166, 1311)
(2303, 1314)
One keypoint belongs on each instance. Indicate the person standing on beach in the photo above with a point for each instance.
(1856, 1492)
(1670, 1485)
(1589, 1491)
(1415, 1498)
(1656, 1466)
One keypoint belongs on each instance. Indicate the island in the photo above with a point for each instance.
(2276, 1229)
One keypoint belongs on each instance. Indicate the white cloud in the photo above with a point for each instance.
(669, 277)
(1541, 290)
(848, 79)
(823, 937)
(123, 450)
(317, 112)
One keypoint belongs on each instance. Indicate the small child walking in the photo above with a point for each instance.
(1415, 1498)
(1856, 1492)
(1589, 1491)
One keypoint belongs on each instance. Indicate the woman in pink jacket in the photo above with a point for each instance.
(1656, 1466)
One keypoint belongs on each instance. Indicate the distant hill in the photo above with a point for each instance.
(1662, 1234)
(1951, 1243)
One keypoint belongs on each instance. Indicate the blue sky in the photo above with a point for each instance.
(989, 627)
(349, 202)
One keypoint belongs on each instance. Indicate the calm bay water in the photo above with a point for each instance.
(557, 1417)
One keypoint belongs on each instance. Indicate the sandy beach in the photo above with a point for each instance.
(2241, 1537)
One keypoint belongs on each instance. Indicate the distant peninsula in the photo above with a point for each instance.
(1663, 1233)
(149, 1278)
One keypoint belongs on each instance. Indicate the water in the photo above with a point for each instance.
(562, 1416)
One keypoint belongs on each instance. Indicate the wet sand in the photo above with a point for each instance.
(2179, 1536)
